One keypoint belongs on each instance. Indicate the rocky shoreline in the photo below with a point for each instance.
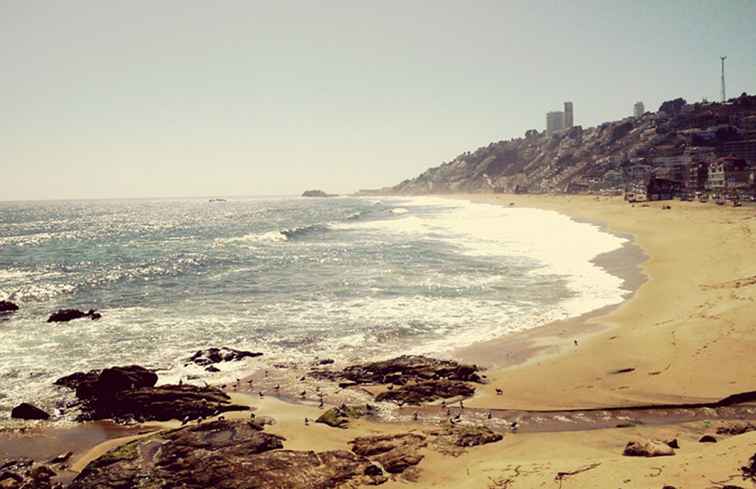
(222, 443)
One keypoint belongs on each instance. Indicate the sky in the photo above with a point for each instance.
(106, 99)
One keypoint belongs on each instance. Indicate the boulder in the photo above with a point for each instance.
(223, 455)
(472, 436)
(749, 469)
(7, 306)
(426, 392)
(64, 315)
(210, 356)
(707, 439)
(647, 448)
(24, 474)
(130, 393)
(395, 453)
(736, 428)
(404, 369)
(28, 411)
(339, 417)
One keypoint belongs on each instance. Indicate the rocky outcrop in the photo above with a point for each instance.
(224, 455)
(205, 358)
(130, 393)
(28, 411)
(749, 469)
(64, 315)
(426, 392)
(23, 473)
(338, 417)
(7, 306)
(395, 453)
(647, 448)
(316, 193)
(736, 428)
(468, 436)
(404, 369)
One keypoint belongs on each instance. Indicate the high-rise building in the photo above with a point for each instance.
(554, 122)
(568, 119)
(639, 109)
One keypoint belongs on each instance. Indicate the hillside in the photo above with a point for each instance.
(595, 159)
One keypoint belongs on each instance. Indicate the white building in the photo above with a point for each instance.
(639, 109)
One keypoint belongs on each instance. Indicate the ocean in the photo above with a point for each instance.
(294, 278)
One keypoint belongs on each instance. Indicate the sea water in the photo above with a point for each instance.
(294, 278)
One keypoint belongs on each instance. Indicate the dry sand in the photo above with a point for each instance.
(689, 332)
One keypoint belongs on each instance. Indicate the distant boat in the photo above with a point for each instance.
(217, 200)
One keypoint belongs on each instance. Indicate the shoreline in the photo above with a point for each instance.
(556, 337)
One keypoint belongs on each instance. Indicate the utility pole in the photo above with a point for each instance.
(724, 94)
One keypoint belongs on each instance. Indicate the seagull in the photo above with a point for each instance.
(261, 394)
(415, 416)
(514, 426)
(307, 422)
(490, 414)
(499, 392)
(303, 394)
(277, 387)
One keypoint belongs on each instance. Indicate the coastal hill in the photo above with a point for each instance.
(596, 159)
(317, 193)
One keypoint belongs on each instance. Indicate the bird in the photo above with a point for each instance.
(303, 394)
(575, 342)
(490, 414)
(461, 404)
(321, 402)
(415, 416)
(307, 421)
(251, 415)
(499, 392)
(277, 387)
(185, 420)
(261, 394)
(458, 416)
(515, 426)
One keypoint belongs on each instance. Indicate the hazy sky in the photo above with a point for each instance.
(172, 98)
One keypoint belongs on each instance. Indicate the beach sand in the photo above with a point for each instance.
(688, 331)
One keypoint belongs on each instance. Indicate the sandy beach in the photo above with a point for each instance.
(687, 334)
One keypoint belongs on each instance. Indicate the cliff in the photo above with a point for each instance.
(594, 159)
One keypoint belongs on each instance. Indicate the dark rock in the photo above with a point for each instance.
(212, 369)
(24, 474)
(59, 459)
(707, 439)
(222, 354)
(316, 193)
(325, 361)
(111, 380)
(130, 393)
(63, 315)
(622, 371)
(426, 392)
(7, 306)
(28, 411)
(409, 368)
(736, 428)
(472, 436)
(672, 443)
(222, 455)
(75, 379)
(395, 453)
(647, 448)
(673, 107)
(339, 417)
(749, 470)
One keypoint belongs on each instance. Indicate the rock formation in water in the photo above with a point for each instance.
(8, 306)
(64, 315)
(316, 193)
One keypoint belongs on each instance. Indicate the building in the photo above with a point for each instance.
(554, 122)
(729, 175)
(662, 189)
(698, 175)
(639, 109)
(568, 119)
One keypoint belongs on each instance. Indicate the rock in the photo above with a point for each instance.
(673, 107)
(339, 417)
(647, 448)
(395, 453)
(707, 439)
(59, 459)
(426, 392)
(111, 380)
(316, 193)
(404, 369)
(736, 428)
(28, 411)
(212, 369)
(24, 474)
(472, 436)
(672, 443)
(222, 455)
(222, 354)
(7, 306)
(325, 361)
(749, 470)
(64, 315)
(130, 393)
(75, 379)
